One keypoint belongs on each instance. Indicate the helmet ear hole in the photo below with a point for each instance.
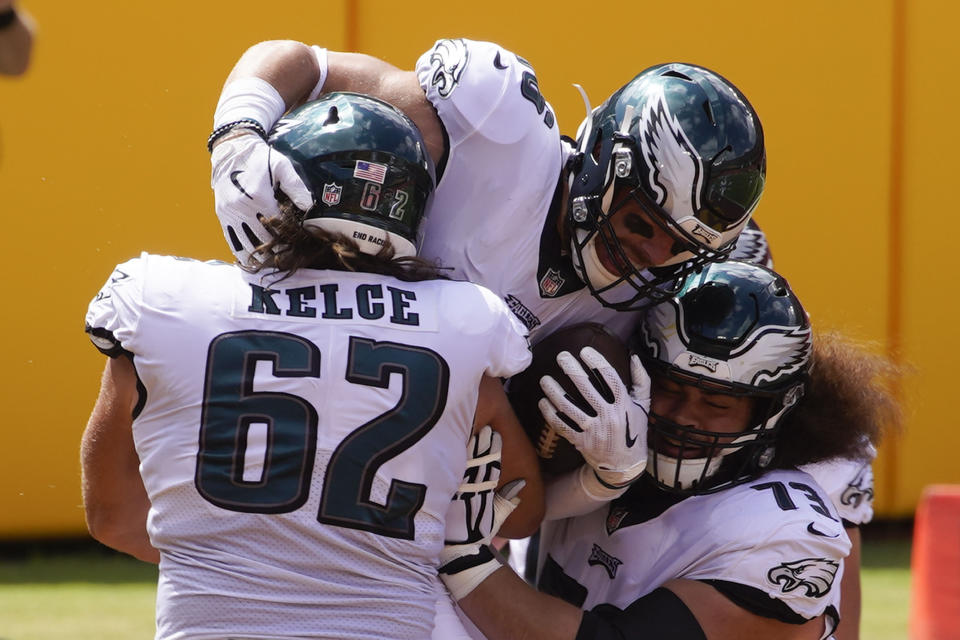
(673, 73)
(333, 116)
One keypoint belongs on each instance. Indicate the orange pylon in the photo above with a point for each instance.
(935, 565)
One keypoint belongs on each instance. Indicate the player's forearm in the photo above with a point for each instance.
(131, 540)
(850, 598)
(519, 459)
(365, 74)
(117, 516)
(504, 607)
(116, 507)
(115, 500)
(290, 67)
(525, 520)
(577, 493)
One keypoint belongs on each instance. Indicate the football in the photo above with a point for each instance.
(556, 454)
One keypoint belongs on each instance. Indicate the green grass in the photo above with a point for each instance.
(86, 594)
(90, 593)
(885, 585)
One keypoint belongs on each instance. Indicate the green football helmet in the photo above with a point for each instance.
(687, 145)
(734, 328)
(366, 165)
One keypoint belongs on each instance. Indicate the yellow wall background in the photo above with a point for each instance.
(102, 155)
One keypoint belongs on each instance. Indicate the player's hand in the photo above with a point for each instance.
(471, 508)
(611, 433)
(246, 173)
(466, 559)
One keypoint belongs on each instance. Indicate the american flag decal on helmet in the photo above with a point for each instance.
(370, 171)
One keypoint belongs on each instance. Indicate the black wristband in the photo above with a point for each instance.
(8, 17)
(243, 123)
(482, 556)
(614, 487)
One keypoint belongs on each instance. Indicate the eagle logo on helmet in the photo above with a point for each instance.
(782, 350)
(676, 172)
(447, 61)
(814, 575)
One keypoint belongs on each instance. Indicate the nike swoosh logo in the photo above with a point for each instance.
(630, 441)
(233, 179)
(497, 63)
(816, 532)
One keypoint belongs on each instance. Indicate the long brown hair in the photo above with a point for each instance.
(294, 247)
(848, 405)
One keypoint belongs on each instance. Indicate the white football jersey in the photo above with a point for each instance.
(849, 484)
(777, 537)
(300, 439)
(489, 219)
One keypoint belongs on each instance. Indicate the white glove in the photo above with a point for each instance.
(613, 437)
(470, 506)
(246, 171)
(466, 559)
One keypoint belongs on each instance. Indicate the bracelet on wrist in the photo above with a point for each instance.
(8, 17)
(243, 123)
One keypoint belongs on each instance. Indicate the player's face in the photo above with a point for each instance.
(643, 242)
(687, 405)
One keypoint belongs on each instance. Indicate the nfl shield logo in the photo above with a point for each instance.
(551, 282)
(615, 518)
(331, 194)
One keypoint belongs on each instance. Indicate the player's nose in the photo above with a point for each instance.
(662, 248)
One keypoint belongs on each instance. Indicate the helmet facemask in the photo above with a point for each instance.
(633, 287)
(734, 329)
(690, 461)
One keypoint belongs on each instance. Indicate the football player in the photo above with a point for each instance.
(661, 179)
(849, 482)
(723, 537)
(285, 438)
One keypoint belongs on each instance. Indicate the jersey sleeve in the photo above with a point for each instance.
(849, 484)
(481, 88)
(484, 327)
(113, 314)
(512, 354)
(794, 554)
